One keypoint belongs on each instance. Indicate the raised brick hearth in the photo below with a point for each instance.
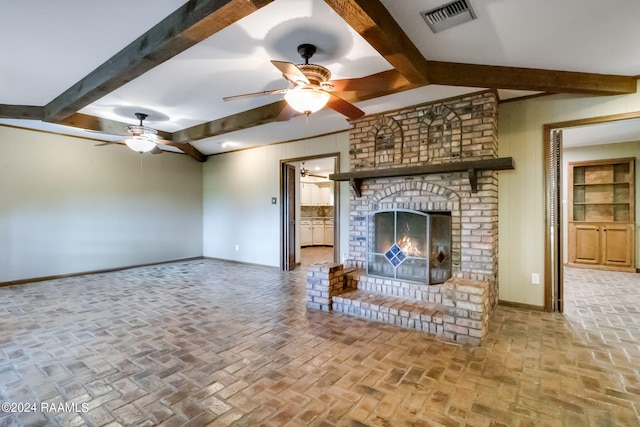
(452, 131)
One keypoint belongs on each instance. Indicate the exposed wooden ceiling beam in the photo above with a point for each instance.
(190, 24)
(255, 117)
(352, 90)
(374, 23)
(496, 77)
(98, 124)
(189, 150)
(32, 112)
(197, 20)
(372, 86)
(114, 127)
(383, 81)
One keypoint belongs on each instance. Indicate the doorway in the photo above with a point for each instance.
(310, 208)
(607, 137)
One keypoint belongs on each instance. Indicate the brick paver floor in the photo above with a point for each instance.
(206, 342)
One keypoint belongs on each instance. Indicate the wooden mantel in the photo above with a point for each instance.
(471, 167)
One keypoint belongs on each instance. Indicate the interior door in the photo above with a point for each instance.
(289, 220)
(554, 275)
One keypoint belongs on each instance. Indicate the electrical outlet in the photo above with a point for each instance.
(535, 279)
(237, 247)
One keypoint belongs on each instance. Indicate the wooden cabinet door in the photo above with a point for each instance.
(617, 245)
(585, 243)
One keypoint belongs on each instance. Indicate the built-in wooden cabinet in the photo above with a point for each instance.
(602, 214)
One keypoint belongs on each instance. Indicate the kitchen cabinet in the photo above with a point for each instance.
(306, 238)
(305, 194)
(317, 230)
(316, 194)
(601, 206)
(325, 195)
(328, 233)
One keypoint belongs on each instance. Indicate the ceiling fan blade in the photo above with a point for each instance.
(319, 176)
(291, 72)
(250, 95)
(287, 113)
(343, 107)
(164, 141)
(383, 82)
(106, 143)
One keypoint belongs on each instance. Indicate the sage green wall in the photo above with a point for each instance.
(238, 188)
(68, 207)
(521, 191)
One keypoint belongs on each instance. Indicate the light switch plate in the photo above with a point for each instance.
(274, 200)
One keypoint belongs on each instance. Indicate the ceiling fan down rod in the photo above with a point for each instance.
(141, 117)
(306, 50)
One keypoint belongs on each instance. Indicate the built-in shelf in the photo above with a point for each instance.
(601, 214)
(471, 167)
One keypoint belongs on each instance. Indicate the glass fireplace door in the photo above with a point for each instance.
(409, 245)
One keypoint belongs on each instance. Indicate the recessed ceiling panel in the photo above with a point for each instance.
(189, 88)
(48, 46)
(592, 36)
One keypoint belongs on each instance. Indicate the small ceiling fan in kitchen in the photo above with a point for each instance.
(311, 89)
(141, 138)
(305, 172)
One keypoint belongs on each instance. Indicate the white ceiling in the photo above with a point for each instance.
(48, 47)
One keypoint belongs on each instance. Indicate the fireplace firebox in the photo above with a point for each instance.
(409, 245)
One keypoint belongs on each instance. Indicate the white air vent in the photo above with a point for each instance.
(449, 15)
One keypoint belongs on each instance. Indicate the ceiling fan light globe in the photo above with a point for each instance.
(141, 144)
(307, 100)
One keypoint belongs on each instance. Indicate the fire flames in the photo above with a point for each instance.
(409, 247)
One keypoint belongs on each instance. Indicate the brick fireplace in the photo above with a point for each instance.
(437, 159)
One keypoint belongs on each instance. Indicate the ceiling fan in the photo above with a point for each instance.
(311, 89)
(305, 172)
(141, 138)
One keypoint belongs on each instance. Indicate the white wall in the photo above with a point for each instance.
(596, 152)
(238, 188)
(68, 207)
(521, 191)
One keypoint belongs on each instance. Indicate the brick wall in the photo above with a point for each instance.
(449, 131)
